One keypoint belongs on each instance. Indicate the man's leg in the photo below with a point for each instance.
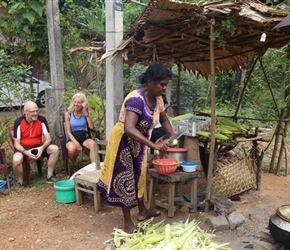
(53, 153)
(17, 166)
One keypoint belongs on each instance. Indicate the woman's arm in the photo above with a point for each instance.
(130, 130)
(87, 115)
(166, 125)
(169, 111)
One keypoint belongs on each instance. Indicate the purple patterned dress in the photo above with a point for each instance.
(123, 174)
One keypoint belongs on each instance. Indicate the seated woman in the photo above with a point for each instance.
(77, 121)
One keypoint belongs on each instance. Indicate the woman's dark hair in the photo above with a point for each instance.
(164, 99)
(155, 73)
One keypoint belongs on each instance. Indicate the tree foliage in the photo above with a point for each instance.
(24, 28)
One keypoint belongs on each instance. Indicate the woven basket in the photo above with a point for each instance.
(233, 176)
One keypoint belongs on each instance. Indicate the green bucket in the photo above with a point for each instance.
(65, 191)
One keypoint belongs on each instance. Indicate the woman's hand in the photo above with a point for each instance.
(161, 144)
(79, 148)
(85, 106)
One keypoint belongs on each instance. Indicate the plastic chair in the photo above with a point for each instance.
(26, 162)
(4, 168)
(62, 138)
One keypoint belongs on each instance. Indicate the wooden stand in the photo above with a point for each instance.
(173, 180)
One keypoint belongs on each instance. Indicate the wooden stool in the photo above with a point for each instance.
(173, 180)
(88, 183)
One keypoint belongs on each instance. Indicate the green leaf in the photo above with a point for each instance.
(200, 30)
(16, 7)
(26, 28)
(3, 4)
(37, 6)
(30, 48)
(30, 16)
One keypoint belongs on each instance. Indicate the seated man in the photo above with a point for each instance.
(28, 132)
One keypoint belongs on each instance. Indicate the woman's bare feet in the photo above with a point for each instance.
(130, 228)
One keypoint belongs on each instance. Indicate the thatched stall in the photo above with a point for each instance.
(178, 32)
(205, 38)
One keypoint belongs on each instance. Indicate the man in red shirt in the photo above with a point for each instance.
(28, 133)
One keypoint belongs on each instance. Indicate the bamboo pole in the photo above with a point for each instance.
(213, 111)
(285, 133)
(283, 147)
(98, 65)
(178, 88)
(277, 137)
(269, 86)
(239, 106)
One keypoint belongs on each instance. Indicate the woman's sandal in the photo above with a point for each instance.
(151, 213)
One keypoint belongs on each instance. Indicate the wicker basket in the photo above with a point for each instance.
(233, 176)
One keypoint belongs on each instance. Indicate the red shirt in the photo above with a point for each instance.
(30, 135)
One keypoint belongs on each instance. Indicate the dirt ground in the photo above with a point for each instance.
(32, 219)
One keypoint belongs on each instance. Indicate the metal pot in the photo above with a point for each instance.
(279, 225)
(179, 154)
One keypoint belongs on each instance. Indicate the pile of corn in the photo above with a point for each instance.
(187, 235)
(226, 129)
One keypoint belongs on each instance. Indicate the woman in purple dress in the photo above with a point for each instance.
(123, 176)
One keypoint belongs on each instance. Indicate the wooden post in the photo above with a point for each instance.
(178, 89)
(54, 104)
(212, 137)
(114, 72)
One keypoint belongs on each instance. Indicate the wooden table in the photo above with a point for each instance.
(173, 180)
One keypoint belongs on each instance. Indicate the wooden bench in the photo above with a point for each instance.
(173, 180)
(88, 183)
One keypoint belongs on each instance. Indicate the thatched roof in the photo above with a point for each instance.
(178, 32)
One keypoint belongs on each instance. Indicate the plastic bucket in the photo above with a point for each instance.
(65, 191)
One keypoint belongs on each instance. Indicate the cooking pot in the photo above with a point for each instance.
(179, 154)
(279, 225)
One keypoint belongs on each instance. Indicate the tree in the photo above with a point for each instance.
(23, 26)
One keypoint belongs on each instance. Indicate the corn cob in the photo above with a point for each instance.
(220, 136)
(203, 133)
(167, 233)
(231, 123)
(225, 131)
(181, 117)
(155, 239)
(229, 128)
